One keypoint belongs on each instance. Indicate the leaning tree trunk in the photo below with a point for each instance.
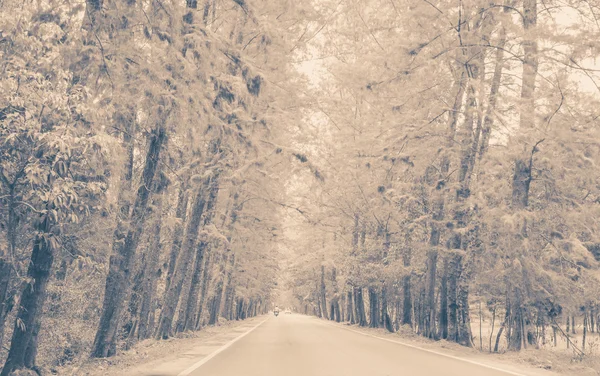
(124, 249)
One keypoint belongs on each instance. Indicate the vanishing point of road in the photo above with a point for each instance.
(296, 345)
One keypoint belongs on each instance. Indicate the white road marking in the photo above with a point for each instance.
(200, 363)
(432, 351)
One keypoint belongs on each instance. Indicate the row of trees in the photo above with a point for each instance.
(135, 137)
(461, 147)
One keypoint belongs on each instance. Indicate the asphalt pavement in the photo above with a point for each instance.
(297, 345)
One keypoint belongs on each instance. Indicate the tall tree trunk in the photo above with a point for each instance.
(227, 256)
(127, 121)
(124, 249)
(180, 215)
(23, 346)
(385, 316)
(335, 301)
(522, 172)
(206, 277)
(373, 308)
(443, 332)
(5, 303)
(516, 328)
(201, 249)
(215, 307)
(232, 301)
(524, 163)
(173, 294)
(187, 321)
(360, 306)
(407, 306)
(429, 314)
(323, 292)
(488, 121)
(350, 309)
(452, 299)
(151, 267)
(229, 287)
(134, 303)
(6, 299)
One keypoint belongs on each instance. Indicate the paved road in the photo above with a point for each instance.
(296, 345)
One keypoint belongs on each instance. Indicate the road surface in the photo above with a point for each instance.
(296, 345)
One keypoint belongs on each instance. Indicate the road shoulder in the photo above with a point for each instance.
(169, 357)
(530, 362)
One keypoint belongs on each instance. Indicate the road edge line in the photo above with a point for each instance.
(201, 362)
(433, 351)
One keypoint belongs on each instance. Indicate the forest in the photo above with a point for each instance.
(422, 166)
